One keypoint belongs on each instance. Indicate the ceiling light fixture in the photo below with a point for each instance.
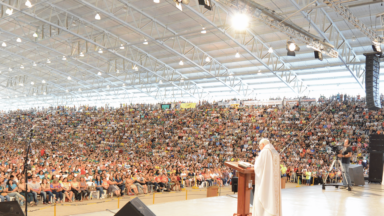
(18, 40)
(230, 75)
(237, 55)
(181, 62)
(145, 42)
(156, 1)
(81, 54)
(160, 82)
(10, 69)
(64, 58)
(97, 17)
(99, 73)
(66, 90)
(100, 51)
(34, 94)
(4, 44)
(9, 11)
(45, 93)
(79, 89)
(122, 47)
(107, 86)
(123, 84)
(32, 83)
(203, 31)
(207, 59)
(240, 21)
(48, 61)
(270, 50)
(21, 66)
(21, 84)
(353, 38)
(34, 64)
(135, 68)
(69, 78)
(35, 35)
(291, 48)
(182, 80)
(43, 81)
(117, 71)
(28, 4)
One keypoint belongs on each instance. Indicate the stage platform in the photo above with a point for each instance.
(303, 201)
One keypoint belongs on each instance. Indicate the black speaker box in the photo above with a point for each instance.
(376, 142)
(10, 209)
(376, 167)
(234, 184)
(372, 77)
(135, 208)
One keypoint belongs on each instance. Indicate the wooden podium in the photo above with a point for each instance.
(243, 189)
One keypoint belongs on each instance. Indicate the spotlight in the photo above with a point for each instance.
(376, 47)
(43, 81)
(79, 89)
(240, 21)
(69, 78)
(97, 17)
(318, 55)
(107, 86)
(237, 55)
(122, 47)
(181, 62)
(81, 54)
(45, 93)
(28, 4)
(123, 84)
(135, 68)
(21, 66)
(291, 48)
(117, 71)
(145, 42)
(207, 59)
(203, 31)
(160, 82)
(32, 83)
(10, 69)
(182, 80)
(230, 75)
(66, 90)
(34, 64)
(100, 51)
(18, 40)
(4, 44)
(34, 94)
(35, 35)
(64, 58)
(99, 73)
(270, 50)
(156, 1)
(48, 61)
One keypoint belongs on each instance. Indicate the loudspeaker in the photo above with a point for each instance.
(318, 55)
(135, 208)
(372, 83)
(376, 142)
(234, 184)
(376, 167)
(10, 209)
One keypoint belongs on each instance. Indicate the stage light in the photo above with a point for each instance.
(291, 48)
(100, 51)
(21, 66)
(135, 68)
(10, 69)
(230, 75)
(48, 61)
(44, 93)
(43, 81)
(237, 55)
(145, 42)
(81, 54)
(34, 94)
(64, 58)
(34, 64)
(182, 80)
(117, 71)
(122, 47)
(32, 83)
(259, 71)
(69, 78)
(67, 90)
(123, 84)
(160, 82)
(18, 40)
(4, 44)
(181, 62)
(99, 73)
(28, 4)
(207, 59)
(97, 17)
(270, 50)
(21, 84)
(376, 47)
(203, 31)
(240, 21)
(156, 1)
(35, 35)
(318, 55)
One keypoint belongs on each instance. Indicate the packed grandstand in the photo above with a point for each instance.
(141, 148)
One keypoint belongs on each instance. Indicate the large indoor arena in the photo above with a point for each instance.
(191, 107)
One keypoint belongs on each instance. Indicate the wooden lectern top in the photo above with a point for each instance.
(235, 165)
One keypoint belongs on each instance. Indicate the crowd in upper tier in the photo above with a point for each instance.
(141, 148)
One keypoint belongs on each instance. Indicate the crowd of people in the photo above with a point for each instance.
(143, 148)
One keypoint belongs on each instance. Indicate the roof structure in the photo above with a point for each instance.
(69, 52)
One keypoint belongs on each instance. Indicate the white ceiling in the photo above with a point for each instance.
(66, 28)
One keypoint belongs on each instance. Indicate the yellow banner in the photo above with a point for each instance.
(188, 105)
(235, 105)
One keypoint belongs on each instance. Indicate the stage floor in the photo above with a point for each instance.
(303, 201)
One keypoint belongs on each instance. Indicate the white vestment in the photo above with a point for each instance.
(267, 199)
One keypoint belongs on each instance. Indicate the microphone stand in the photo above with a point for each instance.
(26, 169)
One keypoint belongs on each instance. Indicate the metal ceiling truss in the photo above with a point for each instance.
(248, 41)
(105, 41)
(352, 19)
(152, 29)
(324, 25)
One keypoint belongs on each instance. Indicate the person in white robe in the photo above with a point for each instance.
(267, 197)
